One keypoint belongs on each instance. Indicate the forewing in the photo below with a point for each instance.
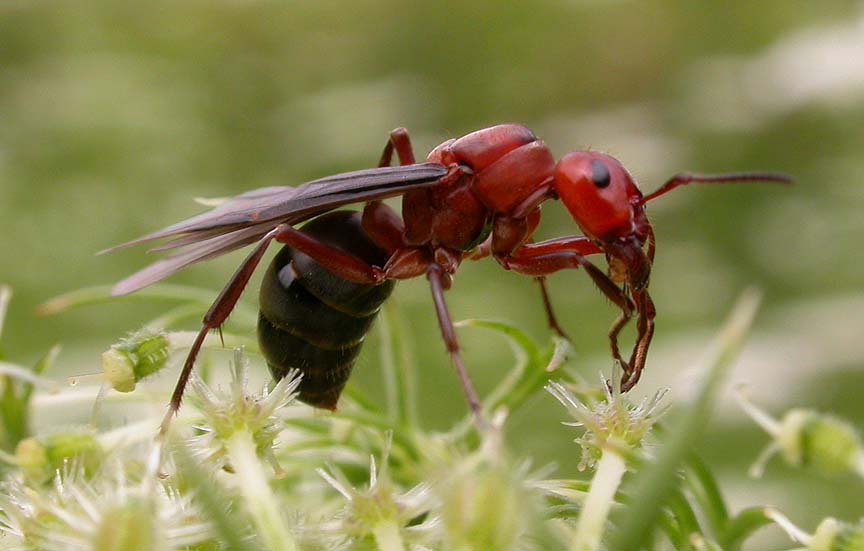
(297, 203)
(248, 217)
(192, 254)
(361, 185)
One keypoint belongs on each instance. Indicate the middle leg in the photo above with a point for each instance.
(436, 280)
(551, 319)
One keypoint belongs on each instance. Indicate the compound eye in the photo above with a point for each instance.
(599, 174)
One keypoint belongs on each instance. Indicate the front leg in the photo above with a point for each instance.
(547, 257)
(509, 234)
(645, 328)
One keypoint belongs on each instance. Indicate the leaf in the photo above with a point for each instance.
(398, 365)
(101, 294)
(534, 366)
(704, 489)
(742, 526)
(657, 482)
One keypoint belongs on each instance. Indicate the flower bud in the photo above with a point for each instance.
(809, 439)
(134, 358)
(41, 457)
(130, 526)
(819, 441)
(833, 535)
(484, 507)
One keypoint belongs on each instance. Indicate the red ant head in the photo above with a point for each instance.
(600, 195)
(608, 207)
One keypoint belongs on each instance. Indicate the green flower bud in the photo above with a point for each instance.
(833, 535)
(819, 441)
(808, 439)
(484, 506)
(40, 458)
(31, 457)
(129, 526)
(134, 358)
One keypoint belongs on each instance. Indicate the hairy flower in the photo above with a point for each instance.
(382, 509)
(610, 422)
(227, 411)
(106, 512)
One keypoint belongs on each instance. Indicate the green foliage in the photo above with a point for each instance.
(255, 470)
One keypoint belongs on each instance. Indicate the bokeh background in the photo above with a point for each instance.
(114, 115)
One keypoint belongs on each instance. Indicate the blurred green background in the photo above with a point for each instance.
(114, 115)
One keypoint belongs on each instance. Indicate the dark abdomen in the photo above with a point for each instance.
(313, 320)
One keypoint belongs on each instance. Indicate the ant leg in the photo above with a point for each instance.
(345, 265)
(214, 318)
(510, 234)
(561, 260)
(619, 324)
(384, 226)
(553, 255)
(436, 280)
(550, 313)
(645, 326)
(380, 222)
(401, 143)
(404, 262)
(546, 257)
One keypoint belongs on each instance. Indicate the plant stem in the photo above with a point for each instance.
(257, 495)
(400, 376)
(387, 536)
(601, 496)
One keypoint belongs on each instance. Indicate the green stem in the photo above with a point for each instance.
(705, 490)
(601, 496)
(742, 526)
(400, 378)
(210, 497)
(684, 515)
(658, 480)
(259, 499)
